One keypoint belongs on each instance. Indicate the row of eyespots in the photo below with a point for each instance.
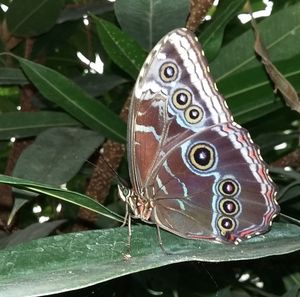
(202, 156)
(181, 98)
(228, 188)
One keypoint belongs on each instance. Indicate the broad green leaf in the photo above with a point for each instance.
(54, 158)
(33, 231)
(25, 124)
(123, 50)
(211, 36)
(56, 155)
(58, 89)
(153, 18)
(65, 195)
(12, 76)
(77, 260)
(282, 41)
(28, 18)
(250, 94)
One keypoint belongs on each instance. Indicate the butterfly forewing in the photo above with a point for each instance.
(198, 170)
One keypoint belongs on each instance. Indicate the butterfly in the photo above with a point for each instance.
(194, 171)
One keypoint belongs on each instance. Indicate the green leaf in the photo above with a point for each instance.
(75, 12)
(82, 259)
(267, 141)
(277, 121)
(28, 18)
(211, 36)
(250, 94)
(21, 197)
(56, 155)
(33, 231)
(65, 195)
(292, 292)
(153, 18)
(282, 41)
(58, 89)
(292, 174)
(123, 50)
(225, 292)
(25, 124)
(9, 98)
(289, 192)
(12, 76)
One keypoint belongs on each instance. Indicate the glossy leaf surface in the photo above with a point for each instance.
(87, 258)
(154, 18)
(74, 100)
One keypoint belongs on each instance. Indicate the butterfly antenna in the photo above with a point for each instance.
(115, 173)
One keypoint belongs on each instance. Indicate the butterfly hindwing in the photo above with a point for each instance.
(214, 185)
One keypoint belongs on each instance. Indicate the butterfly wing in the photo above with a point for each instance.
(154, 121)
(214, 185)
(176, 105)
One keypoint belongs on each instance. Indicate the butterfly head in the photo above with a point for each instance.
(124, 192)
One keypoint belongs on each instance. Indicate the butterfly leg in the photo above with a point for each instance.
(127, 253)
(161, 243)
(128, 246)
(126, 215)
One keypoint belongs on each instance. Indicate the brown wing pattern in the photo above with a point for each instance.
(202, 172)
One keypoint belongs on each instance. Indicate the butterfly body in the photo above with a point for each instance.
(194, 171)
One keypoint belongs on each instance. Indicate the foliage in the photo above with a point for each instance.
(68, 110)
